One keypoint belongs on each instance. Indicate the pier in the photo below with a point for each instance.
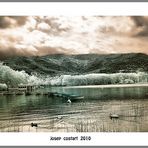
(29, 90)
(72, 97)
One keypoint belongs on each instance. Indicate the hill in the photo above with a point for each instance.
(80, 64)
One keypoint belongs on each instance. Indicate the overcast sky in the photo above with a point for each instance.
(42, 35)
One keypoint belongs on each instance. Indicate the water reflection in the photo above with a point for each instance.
(88, 115)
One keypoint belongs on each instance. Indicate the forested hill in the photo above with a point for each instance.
(80, 64)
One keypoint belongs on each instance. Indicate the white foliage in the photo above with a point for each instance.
(12, 77)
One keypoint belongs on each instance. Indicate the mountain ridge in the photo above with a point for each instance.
(59, 64)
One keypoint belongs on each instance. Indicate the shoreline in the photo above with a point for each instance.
(109, 86)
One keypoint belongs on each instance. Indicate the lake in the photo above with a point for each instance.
(91, 114)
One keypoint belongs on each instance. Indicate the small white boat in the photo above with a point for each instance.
(59, 117)
(69, 101)
(114, 116)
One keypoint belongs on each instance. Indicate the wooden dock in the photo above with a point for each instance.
(72, 97)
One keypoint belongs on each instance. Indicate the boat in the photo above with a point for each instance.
(34, 125)
(69, 101)
(114, 116)
(75, 98)
(72, 97)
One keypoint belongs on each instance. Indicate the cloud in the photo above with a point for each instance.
(12, 21)
(141, 23)
(43, 27)
(50, 25)
(42, 35)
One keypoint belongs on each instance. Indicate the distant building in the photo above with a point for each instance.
(26, 87)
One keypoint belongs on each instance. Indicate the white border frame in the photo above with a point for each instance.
(74, 9)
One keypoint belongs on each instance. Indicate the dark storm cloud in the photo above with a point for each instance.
(141, 23)
(12, 21)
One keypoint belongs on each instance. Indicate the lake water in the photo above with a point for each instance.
(91, 114)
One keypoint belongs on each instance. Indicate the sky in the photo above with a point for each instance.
(43, 35)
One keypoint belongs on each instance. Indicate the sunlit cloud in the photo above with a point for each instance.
(42, 35)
